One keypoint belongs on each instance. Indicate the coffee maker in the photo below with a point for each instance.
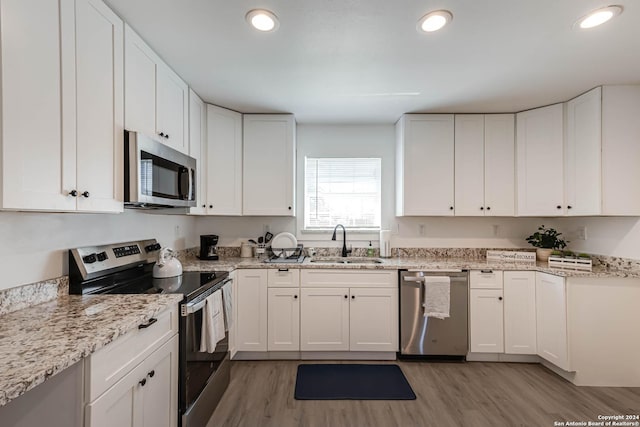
(208, 247)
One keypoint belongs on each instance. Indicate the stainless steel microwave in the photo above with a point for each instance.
(155, 175)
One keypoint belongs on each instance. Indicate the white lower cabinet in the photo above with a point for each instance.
(551, 319)
(373, 319)
(251, 307)
(520, 312)
(142, 395)
(284, 319)
(324, 320)
(487, 321)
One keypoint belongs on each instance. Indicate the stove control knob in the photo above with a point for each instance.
(102, 256)
(89, 259)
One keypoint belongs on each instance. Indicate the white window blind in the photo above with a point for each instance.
(342, 191)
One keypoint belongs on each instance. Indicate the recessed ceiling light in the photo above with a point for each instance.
(433, 21)
(262, 20)
(598, 17)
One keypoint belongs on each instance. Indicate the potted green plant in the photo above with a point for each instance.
(545, 240)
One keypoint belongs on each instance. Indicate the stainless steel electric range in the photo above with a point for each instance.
(126, 268)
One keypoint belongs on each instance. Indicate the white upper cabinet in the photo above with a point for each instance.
(198, 148)
(620, 150)
(62, 107)
(269, 156)
(156, 99)
(425, 165)
(539, 166)
(484, 165)
(223, 162)
(582, 154)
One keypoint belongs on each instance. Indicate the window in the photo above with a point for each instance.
(342, 191)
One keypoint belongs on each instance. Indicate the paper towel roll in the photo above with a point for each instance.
(385, 243)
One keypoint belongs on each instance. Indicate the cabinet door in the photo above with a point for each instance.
(198, 148)
(486, 321)
(118, 406)
(159, 404)
(373, 319)
(172, 108)
(269, 165)
(469, 167)
(252, 310)
(324, 319)
(583, 154)
(551, 319)
(284, 319)
(233, 328)
(100, 107)
(224, 162)
(425, 165)
(38, 104)
(520, 312)
(139, 84)
(499, 165)
(540, 161)
(620, 150)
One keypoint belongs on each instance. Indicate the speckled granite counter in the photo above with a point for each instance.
(229, 264)
(40, 341)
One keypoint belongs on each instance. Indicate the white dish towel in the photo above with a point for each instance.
(437, 296)
(227, 297)
(212, 323)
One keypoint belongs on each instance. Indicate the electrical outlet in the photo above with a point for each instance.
(581, 233)
(421, 229)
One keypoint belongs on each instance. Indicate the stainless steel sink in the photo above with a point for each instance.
(340, 260)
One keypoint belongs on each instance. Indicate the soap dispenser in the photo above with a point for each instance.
(370, 251)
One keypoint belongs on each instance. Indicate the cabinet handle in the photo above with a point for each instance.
(142, 382)
(204, 206)
(73, 193)
(210, 206)
(486, 271)
(166, 136)
(85, 194)
(295, 297)
(450, 208)
(289, 207)
(353, 297)
(488, 208)
(151, 374)
(559, 207)
(161, 134)
(481, 208)
(346, 297)
(283, 269)
(568, 207)
(151, 322)
(499, 298)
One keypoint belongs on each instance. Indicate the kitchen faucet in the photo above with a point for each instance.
(345, 252)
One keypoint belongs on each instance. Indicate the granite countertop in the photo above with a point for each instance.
(43, 340)
(433, 263)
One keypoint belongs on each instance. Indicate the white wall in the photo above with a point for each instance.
(619, 237)
(33, 246)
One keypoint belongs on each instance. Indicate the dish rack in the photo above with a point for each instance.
(280, 254)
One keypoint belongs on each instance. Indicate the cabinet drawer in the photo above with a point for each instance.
(485, 279)
(112, 362)
(349, 278)
(283, 278)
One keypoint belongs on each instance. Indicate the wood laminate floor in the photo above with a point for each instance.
(448, 394)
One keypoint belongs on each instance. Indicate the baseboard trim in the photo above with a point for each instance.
(502, 357)
(315, 355)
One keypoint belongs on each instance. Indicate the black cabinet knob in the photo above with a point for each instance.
(353, 297)
(568, 207)
(559, 207)
(481, 208)
(210, 206)
(151, 374)
(73, 193)
(161, 134)
(295, 297)
(289, 207)
(450, 208)
(346, 296)
(499, 298)
(488, 208)
(85, 194)
(142, 382)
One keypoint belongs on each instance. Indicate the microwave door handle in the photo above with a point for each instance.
(191, 194)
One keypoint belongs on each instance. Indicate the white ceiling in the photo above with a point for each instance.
(338, 61)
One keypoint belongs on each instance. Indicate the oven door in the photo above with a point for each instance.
(204, 376)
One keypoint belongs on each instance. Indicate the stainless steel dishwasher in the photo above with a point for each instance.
(428, 336)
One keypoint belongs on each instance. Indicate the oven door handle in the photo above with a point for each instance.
(192, 307)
